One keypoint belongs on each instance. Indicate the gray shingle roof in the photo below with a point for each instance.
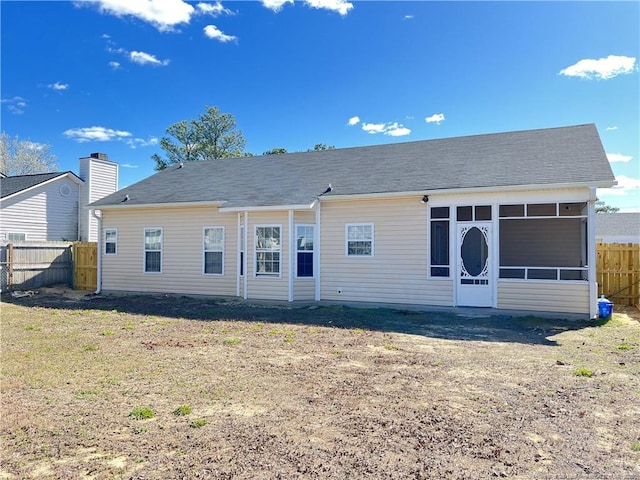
(612, 224)
(18, 183)
(533, 157)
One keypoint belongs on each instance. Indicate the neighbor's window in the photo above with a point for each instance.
(439, 242)
(304, 250)
(268, 249)
(213, 250)
(16, 237)
(360, 240)
(110, 241)
(153, 250)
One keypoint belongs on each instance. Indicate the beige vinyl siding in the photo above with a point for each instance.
(397, 272)
(304, 289)
(563, 297)
(268, 287)
(43, 213)
(182, 251)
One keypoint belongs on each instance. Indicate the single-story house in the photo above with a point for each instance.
(49, 207)
(500, 220)
(618, 227)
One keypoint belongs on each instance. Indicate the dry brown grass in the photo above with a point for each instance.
(284, 394)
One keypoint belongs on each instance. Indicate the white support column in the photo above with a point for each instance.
(291, 254)
(591, 245)
(316, 253)
(246, 255)
(238, 260)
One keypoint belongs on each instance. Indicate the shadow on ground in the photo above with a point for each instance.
(453, 324)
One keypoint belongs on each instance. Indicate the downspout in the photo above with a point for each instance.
(591, 238)
(99, 266)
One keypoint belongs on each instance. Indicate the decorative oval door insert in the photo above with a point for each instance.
(474, 252)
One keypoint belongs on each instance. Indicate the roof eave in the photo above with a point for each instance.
(72, 176)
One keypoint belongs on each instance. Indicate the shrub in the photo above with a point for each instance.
(142, 413)
(182, 410)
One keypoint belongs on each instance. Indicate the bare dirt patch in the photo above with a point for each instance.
(322, 392)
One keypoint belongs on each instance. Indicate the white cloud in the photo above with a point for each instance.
(213, 33)
(143, 58)
(58, 86)
(165, 15)
(114, 65)
(618, 157)
(354, 121)
(95, 134)
(214, 9)
(15, 105)
(602, 68)
(340, 6)
(408, 17)
(392, 129)
(275, 5)
(611, 128)
(127, 165)
(141, 142)
(435, 118)
(626, 186)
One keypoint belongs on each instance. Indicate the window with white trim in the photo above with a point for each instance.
(213, 244)
(110, 241)
(439, 242)
(304, 250)
(153, 250)
(15, 237)
(268, 249)
(359, 240)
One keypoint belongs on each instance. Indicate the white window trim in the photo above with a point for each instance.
(204, 250)
(105, 240)
(429, 237)
(144, 250)
(255, 251)
(6, 236)
(346, 239)
(313, 251)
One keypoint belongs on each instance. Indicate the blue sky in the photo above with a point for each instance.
(110, 76)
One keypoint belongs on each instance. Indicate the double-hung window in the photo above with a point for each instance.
(153, 250)
(439, 240)
(304, 250)
(110, 241)
(359, 242)
(213, 243)
(268, 250)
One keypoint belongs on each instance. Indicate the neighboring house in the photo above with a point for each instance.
(52, 206)
(618, 227)
(501, 220)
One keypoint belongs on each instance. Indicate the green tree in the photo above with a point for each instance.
(602, 207)
(321, 146)
(212, 135)
(23, 157)
(276, 151)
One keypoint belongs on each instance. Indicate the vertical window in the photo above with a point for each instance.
(304, 250)
(213, 244)
(360, 240)
(110, 241)
(153, 250)
(439, 242)
(268, 249)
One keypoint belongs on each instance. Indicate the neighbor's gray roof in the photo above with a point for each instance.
(18, 183)
(533, 157)
(617, 224)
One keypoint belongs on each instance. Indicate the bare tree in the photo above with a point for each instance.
(24, 157)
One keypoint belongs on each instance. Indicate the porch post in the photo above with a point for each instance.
(291, 255)
(591, 232)
(238, 260)
(316, 256)
(246, 255)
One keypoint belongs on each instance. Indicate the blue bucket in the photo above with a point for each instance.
(605, 307)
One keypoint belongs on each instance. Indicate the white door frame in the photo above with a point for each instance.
(475, 289)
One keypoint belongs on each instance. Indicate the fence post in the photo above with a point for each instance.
(10, 267)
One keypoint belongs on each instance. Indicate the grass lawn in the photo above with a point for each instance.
(155, 388)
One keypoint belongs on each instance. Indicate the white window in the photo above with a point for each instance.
(153, 250)
(110, 241)
(439, 242)
(16, 237)
(359, 241)
(304, 251)
(268, 249)
(213, 250)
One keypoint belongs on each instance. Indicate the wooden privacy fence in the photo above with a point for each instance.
(85, 265)
(34, 265)
(618, 272)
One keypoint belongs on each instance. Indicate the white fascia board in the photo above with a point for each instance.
(70, 175)
(146, 206)
(265, 208)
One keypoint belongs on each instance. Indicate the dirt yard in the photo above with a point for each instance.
(178, 388)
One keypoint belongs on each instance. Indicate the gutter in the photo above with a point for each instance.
(99, 266)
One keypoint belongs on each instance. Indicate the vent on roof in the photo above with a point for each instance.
(100, 156)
